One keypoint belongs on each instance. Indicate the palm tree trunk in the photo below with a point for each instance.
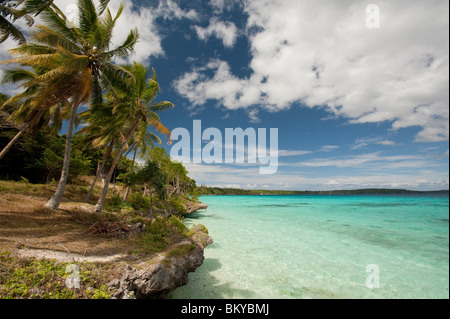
(101, 201)
(55, 200)
(151, 202)
(131, 172)
(101, 168)
(11, 143)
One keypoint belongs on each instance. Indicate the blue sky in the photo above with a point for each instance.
(355, 107)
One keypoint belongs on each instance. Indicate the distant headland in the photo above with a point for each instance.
(204, 190)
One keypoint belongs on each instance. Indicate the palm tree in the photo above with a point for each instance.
(11, 10)
(137, 106)
(78, 60)
(102, 131)
(142, 141)
(106, 128)
(25, 117)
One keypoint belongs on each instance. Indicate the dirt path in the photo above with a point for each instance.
(65, 256)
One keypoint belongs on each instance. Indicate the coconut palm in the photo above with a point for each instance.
(78, 60)
(137, 106)
(102, 130)
(27, 118)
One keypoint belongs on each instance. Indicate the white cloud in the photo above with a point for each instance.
(248, 177)
(365, 141)
(328, 148)
(220, 5)
(370, 162)
(225, 31)
(387, 143)
(282, 153)
(322, 54)
(9, 89)
(170, 10)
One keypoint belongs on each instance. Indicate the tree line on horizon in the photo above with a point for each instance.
(61, 67)
(206, 191)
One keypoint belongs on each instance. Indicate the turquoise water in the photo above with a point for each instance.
(321, 247)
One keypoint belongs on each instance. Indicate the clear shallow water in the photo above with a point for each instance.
(320, 246)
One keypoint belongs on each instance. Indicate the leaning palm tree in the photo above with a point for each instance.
(79, 62)
(137, 106)
(102, 131)
(25, 117)
(12, 10)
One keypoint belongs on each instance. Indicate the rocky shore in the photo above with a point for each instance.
(163, 273)
(193, 207)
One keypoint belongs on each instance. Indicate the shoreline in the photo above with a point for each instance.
(133, 255)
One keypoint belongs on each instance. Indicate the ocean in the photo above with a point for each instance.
(322, 247)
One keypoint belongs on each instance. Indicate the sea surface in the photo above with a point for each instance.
(323, 247)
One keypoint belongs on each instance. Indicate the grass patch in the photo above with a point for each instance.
(161, 233)
(180, 251)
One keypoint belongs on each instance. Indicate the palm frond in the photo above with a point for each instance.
(18, 75)
(126, 48)
(32, 49)
(35, 7)
(7, 29)
(87, 18)
(54, 39)
(103, 6)
(55, 20)
(34, 60)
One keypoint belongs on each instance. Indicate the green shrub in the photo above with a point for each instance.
(115, 203)
(24, 180)
(198, 227)
(175, 205)
(180, 251)
(178, 224)
(140, 202)
(161, 233)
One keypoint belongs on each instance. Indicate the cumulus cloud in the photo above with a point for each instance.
(225, 31)
(220, 5)
(322, 54)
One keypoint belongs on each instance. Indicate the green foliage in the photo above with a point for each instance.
(180, 251)
(39, 158)
(161, 233)
(115, 203)
(152, 175)
(178, 224)
(139, 202)
(199, 227)
(175, 205)
(24, 180)
(46, 279)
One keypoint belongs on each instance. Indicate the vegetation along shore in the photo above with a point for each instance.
(80, 216)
